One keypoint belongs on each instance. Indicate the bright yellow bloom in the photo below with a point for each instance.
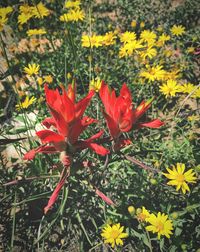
(109, 38)
(73, 16)
(160, 224)
(133, 23)
(129, 48)
(172, 75)
(32, 32)
(162, 39)
(72, 4)
(93, 41)
(187, 88)
(127, 37)
(180, 179)
(150, 52)
(148, 36)
(177, 30)
(190, 49)
(40, 11)
(193, 118)
(170, 88)
(154, 73)
(40, 80)
(26, 103)
(4, 11)
(143, 215)
(26, 12)
(114, 234)
(48, 78)
(32, 69)
(142, 24)
(95, 84)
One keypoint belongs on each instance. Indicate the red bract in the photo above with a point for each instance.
(119, 112)
(68, 121)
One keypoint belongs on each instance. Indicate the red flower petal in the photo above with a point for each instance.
(152, 124)
(48, 136)
(104, 197)
(48, 122)
(82, 104)
(55, 194)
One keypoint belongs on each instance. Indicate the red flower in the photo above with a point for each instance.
(119, 112)
(68, 121)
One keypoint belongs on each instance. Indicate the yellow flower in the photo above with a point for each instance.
(95, 84)
(72, 4)
(190, 49)
(109, 38)
(114, 234)
(93, 41)
(180, 179)
(32, 32)
(143, 215)
(162, 39)
(150, 52)
(127, 37)
(170, 88)
(177, 30)
(193, 118)
(154, 73)
(187, 88)
(173, 75)
(148, 36)
(133, 23)
(131, 210)
(48, 78)
(26, 103)
(26, 13)
(142, 24)
(40, 11)
(160, 224)
(73, 16)
(129, 48)
(32, 69)
(4, 11)
(40, 80)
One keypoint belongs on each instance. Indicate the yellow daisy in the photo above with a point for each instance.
(148, 36)
(162, 39)
(177, 30)
(48, 78)
(73, 16)
(170, 88)
(109, 38)
(93, 41)
(160, 224)
(32, 69)
(32, 32)
(40, 11)
(95, 84)
(127, 36)
(180, 179)
(129, 48)
(143, 214)
(26, 12)
(154, 73)
(72, 4)
(150, 52)
(114, 234)
(26, 103)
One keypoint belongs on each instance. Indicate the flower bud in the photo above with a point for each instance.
(131, 210)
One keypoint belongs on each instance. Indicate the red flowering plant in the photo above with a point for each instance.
(67, 123)
(121, 116)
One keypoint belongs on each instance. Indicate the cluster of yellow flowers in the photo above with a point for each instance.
(159, 223)
(74, 14)
(99, 40)
(27, 12)
(4, 16)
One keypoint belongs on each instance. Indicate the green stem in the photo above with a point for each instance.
(13, 224)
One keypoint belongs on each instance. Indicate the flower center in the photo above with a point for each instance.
(180, 178)
(159, 226)
(114, 234)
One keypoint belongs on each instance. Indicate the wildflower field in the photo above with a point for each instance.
(99, 136)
